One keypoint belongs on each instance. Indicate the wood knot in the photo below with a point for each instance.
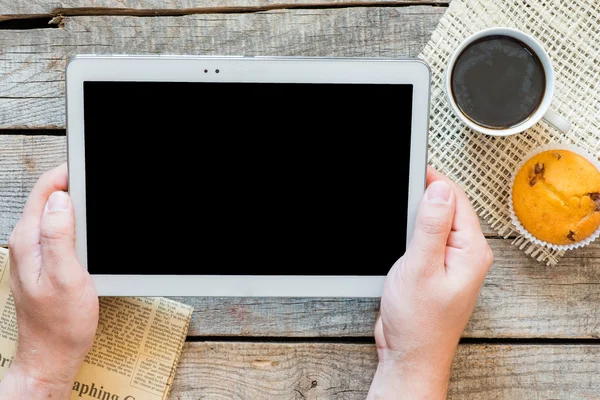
(29, 163)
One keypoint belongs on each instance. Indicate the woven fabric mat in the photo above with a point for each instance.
(570, 32)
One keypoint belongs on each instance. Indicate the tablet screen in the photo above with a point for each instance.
(246, 178)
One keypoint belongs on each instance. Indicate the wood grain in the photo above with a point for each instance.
(22, 160)
(520, 298)
(24, 8)
(32, 62)
(15, 111)
(344, 371)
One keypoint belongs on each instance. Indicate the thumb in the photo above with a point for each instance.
(57, 238)
(427, 248)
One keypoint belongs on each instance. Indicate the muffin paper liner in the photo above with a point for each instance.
(554, 146)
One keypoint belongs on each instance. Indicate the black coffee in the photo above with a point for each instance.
(498, 82)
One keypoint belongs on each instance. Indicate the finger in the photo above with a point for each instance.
(466, 218)
(432, 227)
(472, 264)
(434, 175)
(464, 241)
(49, 182)
(24, 258)
(57, 240)
(380, 341)
(25, 237)
(466, 230)
(467, 245)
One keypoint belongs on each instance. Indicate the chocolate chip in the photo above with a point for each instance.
(539, 169)
(596, 198)
(533, 181)
(570, 236)
(557, 155)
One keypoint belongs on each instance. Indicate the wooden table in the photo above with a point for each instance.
(534, 332)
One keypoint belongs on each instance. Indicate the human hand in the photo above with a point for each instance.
(55, 298)
(429, 295)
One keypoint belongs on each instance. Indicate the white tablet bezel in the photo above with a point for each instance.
(241, 69)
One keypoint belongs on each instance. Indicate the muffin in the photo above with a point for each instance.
(556, 197)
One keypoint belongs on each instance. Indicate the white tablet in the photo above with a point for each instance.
(244, 176)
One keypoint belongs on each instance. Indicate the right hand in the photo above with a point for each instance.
(429, 295)
(55, 298)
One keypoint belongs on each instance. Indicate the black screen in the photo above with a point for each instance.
(246, 178)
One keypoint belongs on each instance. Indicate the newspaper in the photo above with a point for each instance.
(136, 348)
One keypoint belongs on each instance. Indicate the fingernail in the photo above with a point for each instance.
(58, 201)
(438, 192)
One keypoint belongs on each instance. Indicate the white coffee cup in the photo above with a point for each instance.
(542, 112)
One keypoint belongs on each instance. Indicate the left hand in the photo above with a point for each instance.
(55, 298)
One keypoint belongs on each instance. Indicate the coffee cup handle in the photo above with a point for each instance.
(558, 121)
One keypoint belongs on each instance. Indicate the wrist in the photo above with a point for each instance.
(401, 379)
(47, 364)
(38, 375)
(18, 383)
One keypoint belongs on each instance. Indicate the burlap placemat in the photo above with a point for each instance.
(570, 32)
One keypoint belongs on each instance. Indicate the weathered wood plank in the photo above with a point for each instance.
(14, 113)
(344, 371)
(520, 299)
(23, 8)
(32, 62)
(22, 160)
